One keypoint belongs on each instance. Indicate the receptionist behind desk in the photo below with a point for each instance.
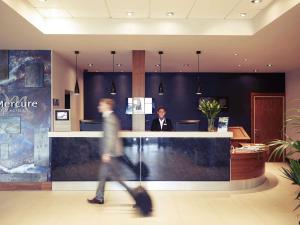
(161, 123)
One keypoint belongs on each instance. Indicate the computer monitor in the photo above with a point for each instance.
(62, 120)
(62, 115)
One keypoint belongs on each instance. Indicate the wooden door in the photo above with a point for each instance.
(267, 111)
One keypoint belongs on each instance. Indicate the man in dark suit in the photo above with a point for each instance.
(161, 123)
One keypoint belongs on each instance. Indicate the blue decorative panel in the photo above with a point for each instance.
(25, 110)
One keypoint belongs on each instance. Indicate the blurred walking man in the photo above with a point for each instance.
(112, 149)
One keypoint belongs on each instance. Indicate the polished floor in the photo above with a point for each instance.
(269, 204)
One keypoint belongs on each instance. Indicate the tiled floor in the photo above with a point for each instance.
(270, 204)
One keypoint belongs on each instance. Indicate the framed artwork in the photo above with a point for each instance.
(10, 125)
(34, 75)
(138, 106)
(3, 65)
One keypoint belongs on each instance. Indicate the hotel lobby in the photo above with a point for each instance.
(198, 102)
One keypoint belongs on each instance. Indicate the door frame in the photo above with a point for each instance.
(259, 94)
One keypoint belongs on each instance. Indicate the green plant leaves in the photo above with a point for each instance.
(210, 108)
(293, 172)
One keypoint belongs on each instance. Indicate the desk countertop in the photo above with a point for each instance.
(149, 134)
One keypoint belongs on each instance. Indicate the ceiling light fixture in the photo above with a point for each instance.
(170, 13)
(160, 87)
(236, 54)
(256, 1)
(130, 13)
(243, 14)
(113, 89)
(90, 64)
(157, 65)
(269, 65)
(118, 64)
(198, 90)
(76, 89)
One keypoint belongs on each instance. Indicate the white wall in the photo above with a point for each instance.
(63, 78)
(292, 87)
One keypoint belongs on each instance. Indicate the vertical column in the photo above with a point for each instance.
(138, 86)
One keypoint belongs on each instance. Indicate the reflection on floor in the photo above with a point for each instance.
(269, 204)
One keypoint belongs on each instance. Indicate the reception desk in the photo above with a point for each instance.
(177, 160)
(170, 156)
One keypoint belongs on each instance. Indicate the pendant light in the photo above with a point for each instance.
(160, 87)
(76, 90)
(113, 89)
(198, 90)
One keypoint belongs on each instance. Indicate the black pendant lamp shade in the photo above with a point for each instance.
(160, 87)
(113, 89)
(76, 89)
(198, 90)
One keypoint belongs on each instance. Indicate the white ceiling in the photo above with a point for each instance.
(188, 9)
(150, 17)
(277, 43)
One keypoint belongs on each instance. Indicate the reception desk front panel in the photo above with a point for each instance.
(171, 156)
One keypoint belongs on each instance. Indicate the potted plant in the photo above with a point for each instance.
(210, 108)
(287, 148)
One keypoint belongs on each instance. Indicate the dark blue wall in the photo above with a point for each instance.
(97, 85)
(180, 98)
(182, 102)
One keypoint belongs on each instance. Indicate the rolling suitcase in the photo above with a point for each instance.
(140, 195)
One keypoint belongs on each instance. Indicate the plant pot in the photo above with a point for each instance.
(211, 125)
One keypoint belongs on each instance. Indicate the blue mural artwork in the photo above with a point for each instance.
(25, 117)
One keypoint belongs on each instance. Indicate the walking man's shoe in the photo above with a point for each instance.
(95, 201)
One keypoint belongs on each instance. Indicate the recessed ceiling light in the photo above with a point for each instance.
(118, 64)
(243, 14)
(90, 64)
(269, 65)
(256, 1)
(170, 13)
(130, 13)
